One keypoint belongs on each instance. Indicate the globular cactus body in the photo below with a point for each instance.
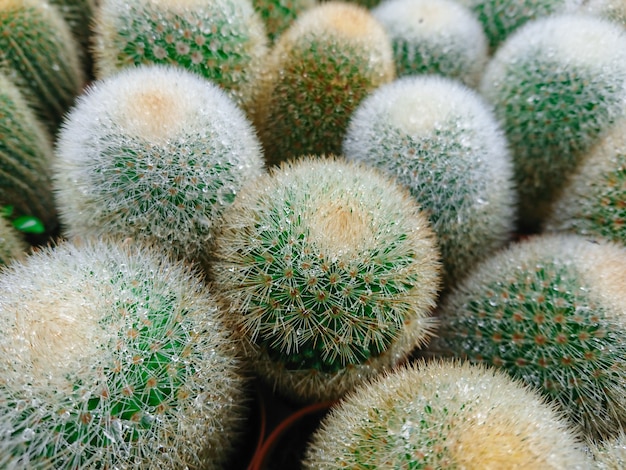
(113, 357)
(154, 153)
(446, 416)
(330, 272)
(440, 140)
(550, 311)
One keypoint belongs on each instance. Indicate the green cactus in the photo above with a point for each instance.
(155, 153)
(439, 139)
(277, 15)
(500, 18)
(223, 40)
(12, 246)
(593, 201)
(445, 416)
(434, 37)
(321, 67)
(114, 357)
(610, 454)
(555, 94)
(26, 154)
(551, 311)
(40, 55)
(330, 272)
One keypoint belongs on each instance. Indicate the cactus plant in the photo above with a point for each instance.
(223, 40)
(593, 201)
(114, 356)
(12, 246)
(440, 140)
(40, 55)
(330, 272)
(155, 153)
(555, 95)
(319, 70)
(550, 310)
(277, 15)
(614, 10)
(444, 415)
(26, 154)
(434, 36)
(610, 454)
(79, 16)
(500, 18)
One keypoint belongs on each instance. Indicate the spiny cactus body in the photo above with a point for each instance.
(446, 416)
(39, 53)
(555, 94)
(113, 357)
(330, 271)
(551, 311)
(593, 202)
(154, 153)
(319, 70)
(223, 40)
(26, 155)
(12, 247)
(79, 16)
(610, 454)
(279, 14)
(434, 37)
(441, 141)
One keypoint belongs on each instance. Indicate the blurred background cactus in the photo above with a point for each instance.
(114, 357)
(445, 415)
(155, 153)
(321, 67)
(40, 55)
(222, 40)
(551, 311)
(330, 272)
(434, 37)
(277, 15)
(555, 95)
(440, 140)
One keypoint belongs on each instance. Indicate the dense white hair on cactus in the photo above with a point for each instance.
(444, 415)
(155, 153)
(440, 140)
(113, 356)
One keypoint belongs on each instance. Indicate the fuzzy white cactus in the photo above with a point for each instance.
(155, 153)
(112, 356)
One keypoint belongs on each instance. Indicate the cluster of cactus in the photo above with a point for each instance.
(330, 272)
(444, 415)
(39, 53)
(114, 356)
(440, 140)
(223, 40)
(551, 311)
(329, 59)
(555, 95)
(154, 153)
(434, 37)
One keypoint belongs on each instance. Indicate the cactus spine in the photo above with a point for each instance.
(555, 95)
(434, 37)
(321, 67)
(330, 271)
(446, 416)
(113, 357)
(155, 153)
(550, 311)
(440, 140)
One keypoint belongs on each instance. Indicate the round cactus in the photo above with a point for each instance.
(330, 272)
(279, 14)
(223, 40)
(113, 357)
(551, 311)
(500, 18)
(439, 139)
(319, 70)
(154, 153)
(12, 246)
(39, 53)
(593, 201)
(434, 36)
(555, 94)
(610, 454)
(446, 416)
(26, 154)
